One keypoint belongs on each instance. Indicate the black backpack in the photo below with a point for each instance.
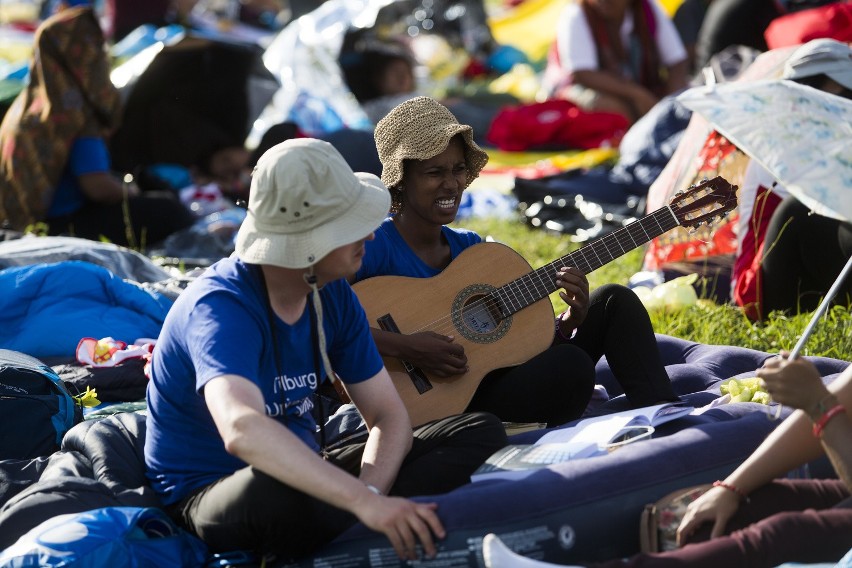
(36, 409)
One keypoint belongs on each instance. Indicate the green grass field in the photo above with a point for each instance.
(704, 322)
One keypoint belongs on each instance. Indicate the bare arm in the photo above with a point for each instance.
(236, 405)
(389, 426)
(105, 188)
(794, 383)
(633, 94)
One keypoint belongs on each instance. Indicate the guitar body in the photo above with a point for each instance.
(452, 303)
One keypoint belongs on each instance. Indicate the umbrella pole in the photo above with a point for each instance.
(821, 309)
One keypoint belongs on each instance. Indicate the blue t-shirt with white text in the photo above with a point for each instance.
(220, 326)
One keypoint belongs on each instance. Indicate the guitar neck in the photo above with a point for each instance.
(541, 282)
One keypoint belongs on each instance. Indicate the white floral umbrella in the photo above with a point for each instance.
(802, 135)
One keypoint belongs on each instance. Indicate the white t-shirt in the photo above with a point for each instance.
(576, 45)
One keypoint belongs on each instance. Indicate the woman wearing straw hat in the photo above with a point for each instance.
(231, 442)
(428, 160)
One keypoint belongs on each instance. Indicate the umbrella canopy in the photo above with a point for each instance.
(802, 135)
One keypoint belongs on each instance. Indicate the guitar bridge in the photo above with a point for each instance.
(417, 376)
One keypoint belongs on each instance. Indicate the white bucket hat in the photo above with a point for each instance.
(821, 57)
(305, 201)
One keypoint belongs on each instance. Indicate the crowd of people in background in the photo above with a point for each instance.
(230, 469)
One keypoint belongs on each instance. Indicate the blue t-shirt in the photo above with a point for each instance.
(89, 155)
(389, 255)
(220, 325)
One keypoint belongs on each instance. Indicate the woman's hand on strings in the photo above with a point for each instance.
(575, 293)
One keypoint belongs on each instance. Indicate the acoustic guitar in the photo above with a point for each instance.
(498, 308)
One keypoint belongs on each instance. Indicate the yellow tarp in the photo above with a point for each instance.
(530, 27)
(566, 160)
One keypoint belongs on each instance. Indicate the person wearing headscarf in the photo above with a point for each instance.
(54, 163)
(429, 159)
(232, 443)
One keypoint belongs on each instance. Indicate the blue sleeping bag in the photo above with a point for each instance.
(48, 308)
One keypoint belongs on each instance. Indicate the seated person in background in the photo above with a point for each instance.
(428, 160)
(54, 162)
(618, 56)
(788, 258)
(232, 443)
(381, 75)
(756, 518)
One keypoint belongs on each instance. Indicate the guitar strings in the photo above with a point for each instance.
(445, 324)
(517, 293)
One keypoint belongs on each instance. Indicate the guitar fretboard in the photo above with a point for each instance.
(541, 282)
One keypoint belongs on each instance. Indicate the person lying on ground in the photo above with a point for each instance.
(233, 408)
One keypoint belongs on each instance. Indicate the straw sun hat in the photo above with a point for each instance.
(305, 201)
(419, 129)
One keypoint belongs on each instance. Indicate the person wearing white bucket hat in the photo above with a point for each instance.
(232, 443)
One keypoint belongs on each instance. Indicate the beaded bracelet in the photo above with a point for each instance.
(732, 488)
(819, 425)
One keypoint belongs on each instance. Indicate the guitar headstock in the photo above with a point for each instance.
(702, 203)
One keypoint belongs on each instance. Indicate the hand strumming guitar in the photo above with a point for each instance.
(431, 352)
(575, 293)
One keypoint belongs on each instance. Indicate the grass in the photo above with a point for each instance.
(705, 322)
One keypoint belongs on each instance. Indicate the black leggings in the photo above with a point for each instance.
(556, 385)
(249, 510)
(802, 256)
(153, 216)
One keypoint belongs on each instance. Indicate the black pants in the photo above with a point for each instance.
(148, 220)
(250, 510)
(556, 385)
(802, 257)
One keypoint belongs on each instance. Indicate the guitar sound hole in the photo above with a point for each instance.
(480, 314)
